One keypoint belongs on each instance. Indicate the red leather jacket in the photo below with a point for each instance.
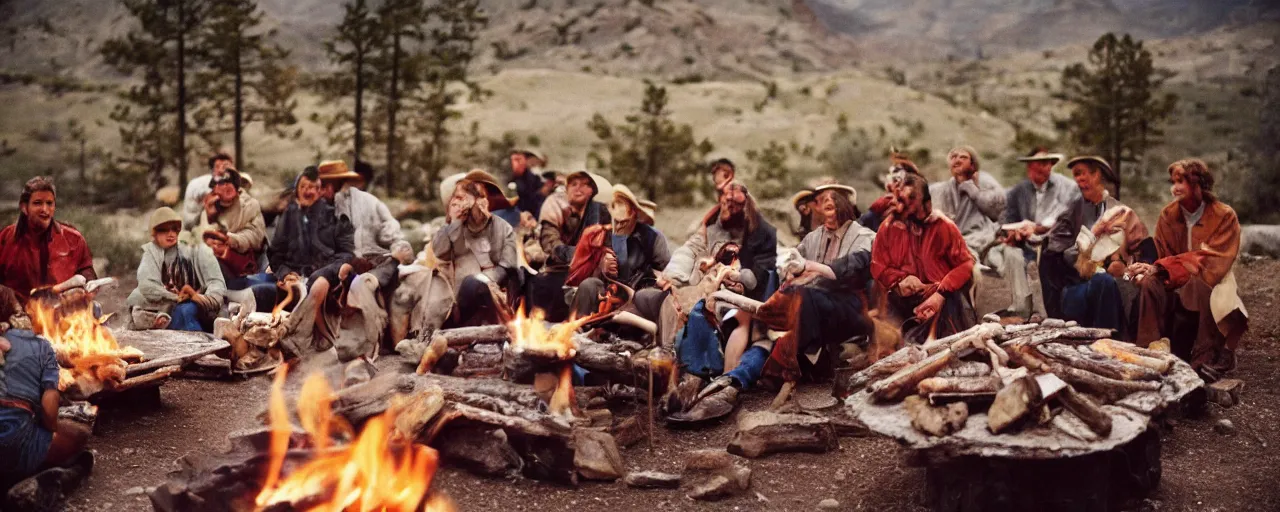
(30, 261)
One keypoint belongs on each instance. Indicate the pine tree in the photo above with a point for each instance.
(152, 114)
(1117, 108)
(244, 78)
(400, 64)
(358, 36)
(664, 157)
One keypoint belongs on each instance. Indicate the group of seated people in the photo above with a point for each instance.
(578, 245)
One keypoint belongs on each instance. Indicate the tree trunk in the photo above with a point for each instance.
(182, 96)
(359, 100)
(393, 104)
(239, 109)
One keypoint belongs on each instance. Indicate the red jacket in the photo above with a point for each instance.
(30, 261)
(937, 255)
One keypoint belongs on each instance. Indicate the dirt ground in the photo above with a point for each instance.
(137, 445)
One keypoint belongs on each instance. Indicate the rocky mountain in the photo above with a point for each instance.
(967, 29)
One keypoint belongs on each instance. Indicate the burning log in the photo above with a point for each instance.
(90, 358)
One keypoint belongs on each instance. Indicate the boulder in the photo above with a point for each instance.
(764, 432)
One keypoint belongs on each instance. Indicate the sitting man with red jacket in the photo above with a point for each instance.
(38, 251)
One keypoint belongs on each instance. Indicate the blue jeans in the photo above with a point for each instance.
(185, 317)
(749, 367)
(1095, 303)
(263, 286)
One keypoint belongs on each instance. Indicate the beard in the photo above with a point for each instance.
(732, 219)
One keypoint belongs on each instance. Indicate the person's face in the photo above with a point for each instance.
(462, 202)
(1089, 180)
(734, 200)
(39, 210)
(226, 193)
(827, 204)
(1182, 188)
(220, 166)
(1038, 171)
(328, 189)
(519, 163)
(308, 192)
(579, 190)
(621, 210)
(909, 202)
(166, 235)
(722, 174)
(961, 163)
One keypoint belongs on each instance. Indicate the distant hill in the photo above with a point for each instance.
(967, 29)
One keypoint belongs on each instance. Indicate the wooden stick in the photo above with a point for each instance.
(746, 304)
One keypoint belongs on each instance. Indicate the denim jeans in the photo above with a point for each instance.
(185, 317)
(750, 366)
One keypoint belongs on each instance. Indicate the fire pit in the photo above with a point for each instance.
(1038, 416)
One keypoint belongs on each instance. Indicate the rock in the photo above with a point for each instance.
(1225, 392)
(481, 451)
(1225, 427)
(358, 371)
(600, 417)
(629, 432)
(764, 432)
(652, 480)
(133, 491)
(709, 459)
(596, 455)
(935, 420)
(829, 504)
(597, 402)
(729, 482)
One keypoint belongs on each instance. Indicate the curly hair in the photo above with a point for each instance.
(1196, 171)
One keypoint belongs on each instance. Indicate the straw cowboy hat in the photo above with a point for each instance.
(1040, 155)
(600, 185)
(336, 170)
(848, 191)
(1107, 172)
(497, 201)
(803, 196)
(625, 192)
(648, 211)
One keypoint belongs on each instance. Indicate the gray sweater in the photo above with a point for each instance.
(151, 293)
(973, 207)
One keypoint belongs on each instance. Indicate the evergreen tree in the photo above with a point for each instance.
(245, 78)
(1117, 108)
(351, 49)
(665, 158)
(400, 66)
(152, 114)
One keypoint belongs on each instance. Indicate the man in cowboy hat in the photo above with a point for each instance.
(500, 205)
(1189, 294)
(376, 230)
(1031, 209)
(563, 219)
(1079, 275)
(529, 184)
(635, 253)
(193, 201)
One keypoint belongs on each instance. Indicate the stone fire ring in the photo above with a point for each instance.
(1030, 443)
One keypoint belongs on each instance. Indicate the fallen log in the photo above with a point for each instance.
(1158, 361)
(847, 384)
(902, 383)
(1098, 420)
(965, 369)
(968, 385)
(764, 432)
(981, 331)
(1100, 365)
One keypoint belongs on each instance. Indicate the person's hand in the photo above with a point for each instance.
(796, 266)
(662, 282)
(1116, 269)
(610, 264)
(344, 271)
(4, 345)
(929, 307)
(211, 205)
(1140, 270)
(910, 286)
(206, 302)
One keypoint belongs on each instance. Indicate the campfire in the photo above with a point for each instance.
(551, 351)
(90, 358)
(381, 469)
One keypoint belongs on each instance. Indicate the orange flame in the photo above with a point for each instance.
(84, 346)
(563, 401)
(365, 475)
(531, 333)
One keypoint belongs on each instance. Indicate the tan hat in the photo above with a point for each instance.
(848, 191)
(648, 211)
(802, 197)
(163, 215)
(1040, 155)
(336, 170)
(497, 201)
(598, 183)
(1107, 173)
(625, 192)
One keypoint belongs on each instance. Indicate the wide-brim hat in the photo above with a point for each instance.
(648, 211)
(162, 216)
(599, 184)
(497, 200)
(802, 197)
(625, 192)
(1107, 172)
(848, 191)
(1042, 156)
(336, 170)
